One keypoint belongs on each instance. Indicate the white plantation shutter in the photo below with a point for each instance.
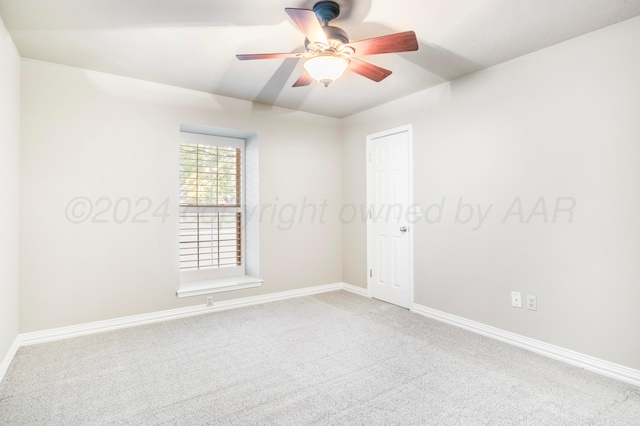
(209, 240)
(211, 207)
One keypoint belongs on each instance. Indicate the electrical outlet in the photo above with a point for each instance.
(516, 299)
(209, 301)
(532, 302)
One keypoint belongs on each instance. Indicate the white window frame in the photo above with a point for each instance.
(222, 272)
(196, 283)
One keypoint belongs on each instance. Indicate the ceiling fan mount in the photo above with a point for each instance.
(326, 11)
(328, 51)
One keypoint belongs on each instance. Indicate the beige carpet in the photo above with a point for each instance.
(334, 358)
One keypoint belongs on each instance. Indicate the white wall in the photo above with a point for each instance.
(9, 173)
(93, 135)
(561, 122)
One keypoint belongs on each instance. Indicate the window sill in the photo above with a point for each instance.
(217, 285)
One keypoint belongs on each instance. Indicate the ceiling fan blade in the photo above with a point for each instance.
(304, 80)
(250, 56)
(308, 23)
(398, 42)
(365, 69)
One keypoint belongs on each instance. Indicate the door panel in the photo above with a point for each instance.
(388, 201)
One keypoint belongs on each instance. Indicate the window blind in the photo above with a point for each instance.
(210, 206)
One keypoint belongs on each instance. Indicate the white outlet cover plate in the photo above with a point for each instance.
(516, 299)
(532, 303)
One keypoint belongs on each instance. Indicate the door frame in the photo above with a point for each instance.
(369, 142)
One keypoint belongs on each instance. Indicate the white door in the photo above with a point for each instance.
(389, 253)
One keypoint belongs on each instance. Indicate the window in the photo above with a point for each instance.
(219, 244)
(211, 207)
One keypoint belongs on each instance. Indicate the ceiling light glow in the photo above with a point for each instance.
(326, 69)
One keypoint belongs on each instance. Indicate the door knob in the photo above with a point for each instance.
(403, 229)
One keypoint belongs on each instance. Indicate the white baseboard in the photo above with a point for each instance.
(152, 317)
(355, 289)
(606, 368)
(273, 297)
(6, 361)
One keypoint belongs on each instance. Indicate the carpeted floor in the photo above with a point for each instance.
(334, 358)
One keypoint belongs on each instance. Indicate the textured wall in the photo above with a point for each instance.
(114, 142)
(514, 144)
(9, 174)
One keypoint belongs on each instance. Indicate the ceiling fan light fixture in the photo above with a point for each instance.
(326, 69)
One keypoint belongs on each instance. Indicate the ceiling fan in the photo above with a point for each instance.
(328, 51)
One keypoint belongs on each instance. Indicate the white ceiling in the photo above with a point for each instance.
(193, 43)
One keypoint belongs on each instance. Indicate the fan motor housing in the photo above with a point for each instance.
(335, 34)
(337, 38)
